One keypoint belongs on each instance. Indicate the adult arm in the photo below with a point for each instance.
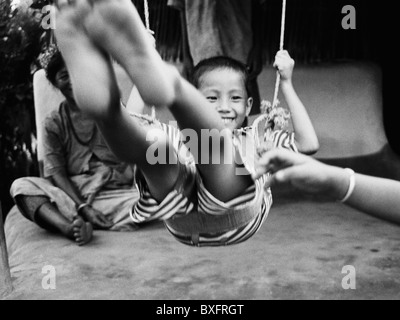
(375, 196)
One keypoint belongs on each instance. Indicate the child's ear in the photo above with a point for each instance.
(249, 106)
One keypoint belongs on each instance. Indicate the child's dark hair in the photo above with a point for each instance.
(56, 63)
(219, 62)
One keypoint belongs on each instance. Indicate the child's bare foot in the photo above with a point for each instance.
(81, 231)
(90, 70)
(116, 26)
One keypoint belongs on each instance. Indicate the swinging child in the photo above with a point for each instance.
(203, 203)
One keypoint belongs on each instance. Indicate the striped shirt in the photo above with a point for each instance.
(201, 204)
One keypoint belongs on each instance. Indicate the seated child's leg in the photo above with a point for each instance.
(38, 209)
(117, 28)
(96, 92)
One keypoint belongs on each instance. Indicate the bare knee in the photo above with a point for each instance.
(29, 205)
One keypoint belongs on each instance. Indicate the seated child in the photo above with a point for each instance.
(202, 201)
(84, 186)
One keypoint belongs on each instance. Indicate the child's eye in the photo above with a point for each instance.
(237, 98)
(63, 76)
(212, 98)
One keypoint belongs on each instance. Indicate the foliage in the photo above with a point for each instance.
(20, 34)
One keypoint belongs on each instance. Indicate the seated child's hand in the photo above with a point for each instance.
(285, 65)
(96, 218)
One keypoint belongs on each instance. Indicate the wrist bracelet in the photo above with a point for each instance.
(82, 206)
(352, 185)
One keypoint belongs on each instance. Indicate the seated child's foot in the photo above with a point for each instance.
(116, 26)
(81, 231)
(90, 70)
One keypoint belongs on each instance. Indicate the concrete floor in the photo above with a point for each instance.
(299, 254)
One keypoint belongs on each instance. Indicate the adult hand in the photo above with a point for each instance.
(96, 218)
(303, 172)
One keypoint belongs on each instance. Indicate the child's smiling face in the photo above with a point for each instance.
(63, 83)
(224, 88)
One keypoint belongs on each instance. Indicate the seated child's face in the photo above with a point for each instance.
(63, 83)
(226, 91)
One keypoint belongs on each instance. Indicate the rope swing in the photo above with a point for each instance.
(265, 115)
(275, 102)
(151, 33)
(193, 225)
(281, 43)
(147, 17)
